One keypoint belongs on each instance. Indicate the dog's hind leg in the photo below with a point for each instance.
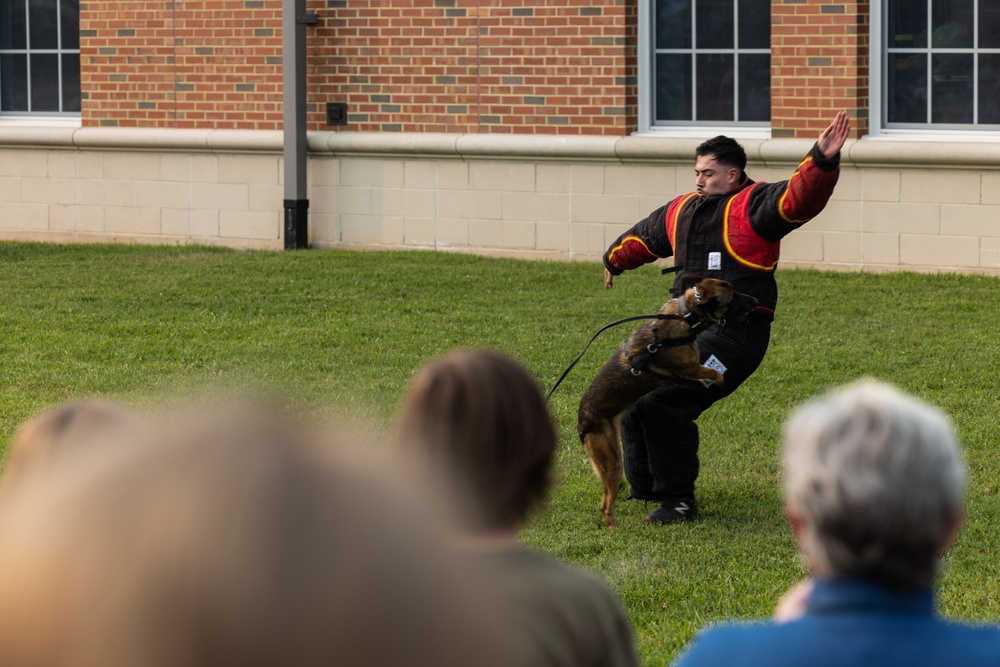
(601, 443)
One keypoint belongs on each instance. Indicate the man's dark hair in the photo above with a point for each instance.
(726, 151)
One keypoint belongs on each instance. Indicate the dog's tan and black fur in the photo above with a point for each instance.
(660, 348)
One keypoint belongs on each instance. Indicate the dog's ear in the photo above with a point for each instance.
(684, 282)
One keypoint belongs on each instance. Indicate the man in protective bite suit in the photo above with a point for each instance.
(729, 228)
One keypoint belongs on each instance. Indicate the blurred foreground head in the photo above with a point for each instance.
(50, 436)
(231, 540)
(475, 423)
(873, 484)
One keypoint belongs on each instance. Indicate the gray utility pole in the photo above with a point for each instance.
(294, 20)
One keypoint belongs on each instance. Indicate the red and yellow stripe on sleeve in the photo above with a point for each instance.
(630, 253)
(806, 193)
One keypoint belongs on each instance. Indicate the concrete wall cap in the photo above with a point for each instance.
(405, 143)
(14, 135)
(785, 151)
(547, 146)
(246, 140)
(135, 137)
(879, 151)
(657, 149)
(869, 151)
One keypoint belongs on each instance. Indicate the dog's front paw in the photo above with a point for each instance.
(710, 376)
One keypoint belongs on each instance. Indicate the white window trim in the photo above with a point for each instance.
(39, 120)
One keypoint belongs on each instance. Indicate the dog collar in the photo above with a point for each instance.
(692, 320)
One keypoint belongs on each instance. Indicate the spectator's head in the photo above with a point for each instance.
(238, 540)
(873, 485)
(47, 438)
(476, 423)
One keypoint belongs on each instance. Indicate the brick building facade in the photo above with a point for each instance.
(457, 66)
(565, 67)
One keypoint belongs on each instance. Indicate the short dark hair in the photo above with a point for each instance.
(481, 418)
(726, 150)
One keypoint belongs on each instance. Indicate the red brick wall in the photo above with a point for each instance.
(213, 64)
(562, 67)
(558, 67)
(819, 64)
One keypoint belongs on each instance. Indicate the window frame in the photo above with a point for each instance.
(55, 118)
(646, 53)
(879, 93)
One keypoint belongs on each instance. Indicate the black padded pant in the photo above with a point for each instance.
(659, 433)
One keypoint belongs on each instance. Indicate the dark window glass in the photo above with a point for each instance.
(989, 25)
(714, 24)
(12, 21)
(989, 88)
(755, 87)
(755, 24)
(907, 23)
(951, 91)
(43, 24)
(907, 100)
(13, 82)
(40, 79)
(44, 82)
(673, 86)
(673, 24)
(71, 82)
(695, 77)
(952, 24)
(70, 25)
(715, 84)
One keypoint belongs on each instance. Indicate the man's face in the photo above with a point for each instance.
(712, 178)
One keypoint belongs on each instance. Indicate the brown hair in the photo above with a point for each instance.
(477, 421)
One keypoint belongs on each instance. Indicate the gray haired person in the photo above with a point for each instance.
(873, 494)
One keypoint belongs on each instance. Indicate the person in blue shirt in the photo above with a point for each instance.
(873, 492)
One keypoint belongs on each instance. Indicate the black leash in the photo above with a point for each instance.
(654, 316)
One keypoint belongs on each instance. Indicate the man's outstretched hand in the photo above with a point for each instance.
(833, 137)
(609, 280)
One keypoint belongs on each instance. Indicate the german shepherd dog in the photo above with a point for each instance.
(662, 348)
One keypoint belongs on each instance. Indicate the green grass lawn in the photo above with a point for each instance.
(339, 334)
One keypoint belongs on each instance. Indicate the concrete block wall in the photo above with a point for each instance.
(561, 198)
(110, 186)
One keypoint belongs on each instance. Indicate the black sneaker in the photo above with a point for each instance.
(672, 511)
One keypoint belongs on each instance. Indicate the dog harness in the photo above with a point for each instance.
(640, 362)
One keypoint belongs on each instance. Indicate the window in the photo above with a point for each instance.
(708, 62)
(39, 57)
(941, 64)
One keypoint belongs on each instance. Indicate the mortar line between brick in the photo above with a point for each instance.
(479, 72)
(173, 31)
